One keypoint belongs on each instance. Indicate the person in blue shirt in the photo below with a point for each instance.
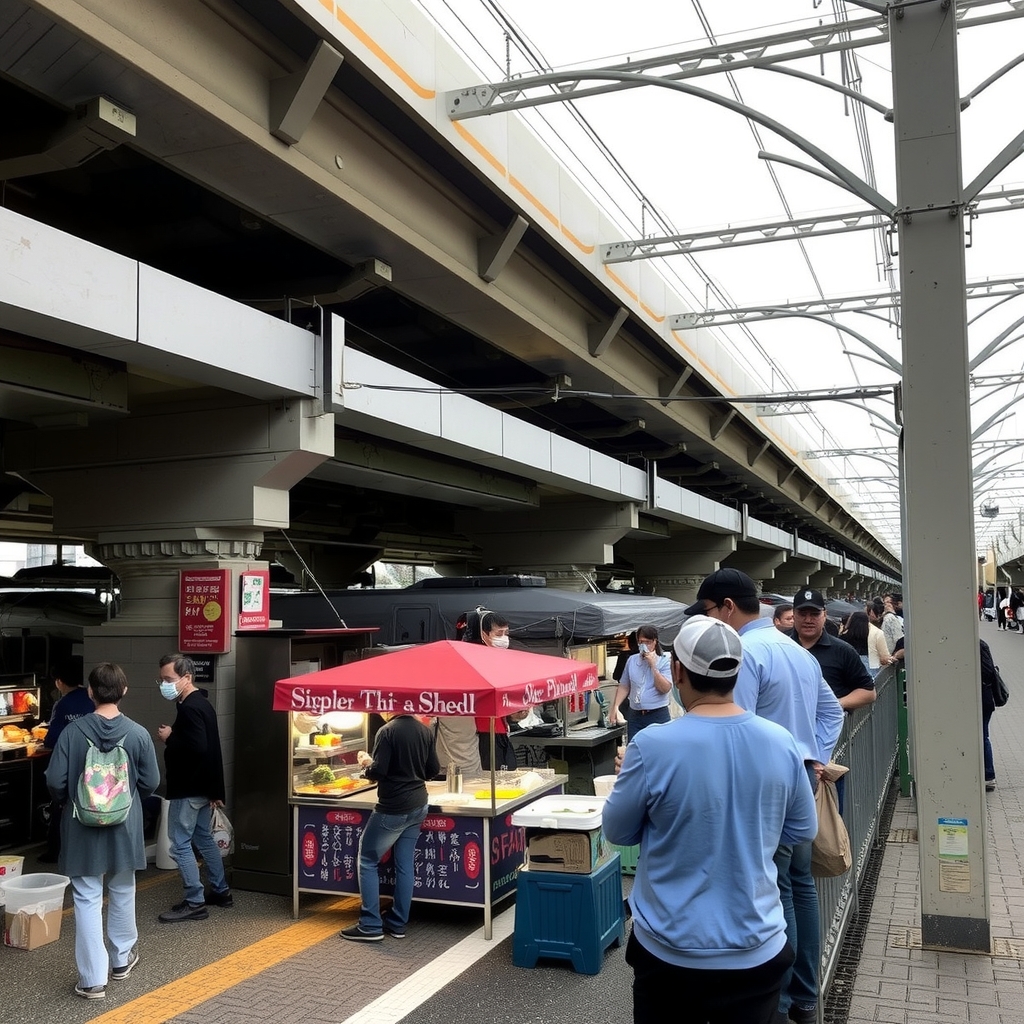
(709, 798)
(782, 682)
(646, 681)
(74, 702)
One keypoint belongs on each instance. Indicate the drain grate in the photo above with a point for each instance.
(902, 835)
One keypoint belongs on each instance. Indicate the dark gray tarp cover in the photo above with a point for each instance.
(534, 613)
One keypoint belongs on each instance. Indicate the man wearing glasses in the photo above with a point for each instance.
(195, 785)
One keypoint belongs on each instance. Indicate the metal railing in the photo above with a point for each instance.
(869, 747)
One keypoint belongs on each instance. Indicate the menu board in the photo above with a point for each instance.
(448, 865)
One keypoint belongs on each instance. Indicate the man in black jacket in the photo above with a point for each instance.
(988, 705)
(195, 785)
(403, 759)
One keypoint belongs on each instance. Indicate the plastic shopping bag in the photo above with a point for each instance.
(223, 832)
(830, 851)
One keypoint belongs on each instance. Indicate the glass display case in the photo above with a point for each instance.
(324, 752)
(21, 784)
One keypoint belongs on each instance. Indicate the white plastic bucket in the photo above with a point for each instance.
(164, 860)
(42, 890)
(603, 784)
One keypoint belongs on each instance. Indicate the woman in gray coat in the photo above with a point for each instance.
(88, 853)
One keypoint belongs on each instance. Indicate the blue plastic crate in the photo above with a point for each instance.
(629, 855)
(563, 916)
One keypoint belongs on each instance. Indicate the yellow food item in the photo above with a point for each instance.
(322, 741)
(39, 732)
(500, 794)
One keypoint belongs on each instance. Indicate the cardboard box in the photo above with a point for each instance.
(10, 867)
(573, 852)
(24, 930)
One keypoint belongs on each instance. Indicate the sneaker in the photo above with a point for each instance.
(396, 931)
(356, 934)
(184, 911)
(120, 973)
(92, 992)
(990, 785)
(803, 1014)
(220, 899)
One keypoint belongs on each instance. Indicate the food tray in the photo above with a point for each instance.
(576, 813)
(337, 789)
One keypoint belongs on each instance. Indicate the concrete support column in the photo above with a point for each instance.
(936, 485)
(675, 567)
(147, 627)
(794, 574)
(563, 541)
(190, 488)
(822, 580)
(758, 563)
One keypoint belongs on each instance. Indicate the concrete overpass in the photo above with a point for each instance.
(253, 280)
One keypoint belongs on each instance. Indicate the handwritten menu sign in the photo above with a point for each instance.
(448, 865)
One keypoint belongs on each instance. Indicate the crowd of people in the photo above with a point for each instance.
(720, 799)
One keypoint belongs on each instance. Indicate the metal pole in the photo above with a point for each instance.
(938, 536)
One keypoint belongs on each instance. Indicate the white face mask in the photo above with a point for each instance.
(499, 641)
(169, 691)
(645, 648)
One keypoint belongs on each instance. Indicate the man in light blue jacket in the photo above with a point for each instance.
(781, 681)
(709, 798)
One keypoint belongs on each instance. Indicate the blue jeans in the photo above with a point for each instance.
(987, 707)
(91, 952)
(188, 822)
(803, 928)
(382, 832)
(638, 721)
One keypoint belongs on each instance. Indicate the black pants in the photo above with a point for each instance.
(748, 996)
(504, 752)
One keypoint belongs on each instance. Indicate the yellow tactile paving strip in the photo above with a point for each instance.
(179, 996)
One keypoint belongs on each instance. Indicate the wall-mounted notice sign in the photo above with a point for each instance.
(954, 862)
(204, 604)
(254, 599)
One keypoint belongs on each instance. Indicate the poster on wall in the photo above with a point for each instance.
(254, 599)
(448, 862)
(204, 606)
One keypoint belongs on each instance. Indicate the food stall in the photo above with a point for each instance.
(22, 760)
(469, 852)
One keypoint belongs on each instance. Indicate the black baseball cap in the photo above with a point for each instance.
(721, 584)
(809, 599)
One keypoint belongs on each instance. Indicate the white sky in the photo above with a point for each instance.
(697, 163)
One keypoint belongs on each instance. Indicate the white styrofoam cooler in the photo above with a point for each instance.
(575, 813)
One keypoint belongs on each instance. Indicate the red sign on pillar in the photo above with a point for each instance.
(254, 599)
(204, 604)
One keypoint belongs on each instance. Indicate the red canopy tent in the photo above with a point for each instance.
(449, 677)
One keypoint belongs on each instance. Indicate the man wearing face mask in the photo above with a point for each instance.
(493, 632)
(195, 785)
(647, 681)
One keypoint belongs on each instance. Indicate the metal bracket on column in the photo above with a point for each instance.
(294, 98)
(495, 251)
(755, 451)
(719, 421)
(97, 126)
(600, 335)
(669, 387)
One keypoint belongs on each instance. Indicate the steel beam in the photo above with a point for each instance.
(940, 570)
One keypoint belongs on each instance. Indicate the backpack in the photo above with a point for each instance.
(103, 795)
